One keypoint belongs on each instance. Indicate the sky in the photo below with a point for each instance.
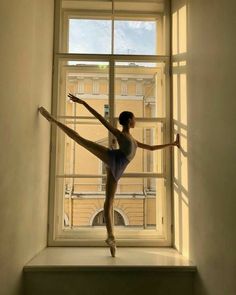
(94, 36)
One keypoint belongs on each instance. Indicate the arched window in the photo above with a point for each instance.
(99, 219)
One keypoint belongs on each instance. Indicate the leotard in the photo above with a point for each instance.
(120, 158)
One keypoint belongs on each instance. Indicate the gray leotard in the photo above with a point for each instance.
(128, 145)
(120, 158)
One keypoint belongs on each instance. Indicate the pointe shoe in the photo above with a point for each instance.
(113, 250)
(112, 245)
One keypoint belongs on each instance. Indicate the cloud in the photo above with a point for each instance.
(90, 36)
(142, 25)
(135, 37)
(94, 36)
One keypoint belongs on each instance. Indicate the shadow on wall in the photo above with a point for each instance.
(179, 86)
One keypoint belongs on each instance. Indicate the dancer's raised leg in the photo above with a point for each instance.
(111, 185)
(98, 150)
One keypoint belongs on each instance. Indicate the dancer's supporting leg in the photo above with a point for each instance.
(111, 187)
(98, 150)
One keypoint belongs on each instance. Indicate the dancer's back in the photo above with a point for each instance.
(127, 144)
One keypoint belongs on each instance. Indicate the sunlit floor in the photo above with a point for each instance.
(77, 257)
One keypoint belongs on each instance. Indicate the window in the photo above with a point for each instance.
(99, 219)
(113, 56)
(89, 36)
(80, 85)
(139, 87)
(132, 37)
(95, 86)
(124, 86)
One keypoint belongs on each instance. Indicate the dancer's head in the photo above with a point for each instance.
(127, 119)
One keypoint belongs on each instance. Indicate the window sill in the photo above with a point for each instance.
(91, 258)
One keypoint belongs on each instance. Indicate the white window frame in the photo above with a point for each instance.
(83, 237)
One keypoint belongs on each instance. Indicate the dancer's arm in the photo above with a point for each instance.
(113, 130)
(158, 147)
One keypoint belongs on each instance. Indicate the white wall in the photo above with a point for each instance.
(26, 34)
(208, 159)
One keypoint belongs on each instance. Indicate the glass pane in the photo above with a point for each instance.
(135, 37)
(83, 199)
(135, 204)
(89, 36)
(87, 80)
(77, 159)
(140, 88)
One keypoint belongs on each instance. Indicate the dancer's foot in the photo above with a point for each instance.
(113, 250)
(110, 241)
(46, 114)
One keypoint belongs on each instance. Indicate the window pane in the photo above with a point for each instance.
(135, 37)
(77, 159)
(135, 204)
(140, 88)
(89, 36)
(87, 80)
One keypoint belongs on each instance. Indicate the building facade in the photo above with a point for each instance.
(136, 89)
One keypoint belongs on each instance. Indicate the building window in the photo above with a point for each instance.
(99, 219)
(80, 86)
(106, 110)
(118, 61)
(139, 87)
(124, 87)
(95, 86)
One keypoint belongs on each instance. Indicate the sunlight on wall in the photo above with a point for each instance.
(179, 66)
(174, 33)
(182, 29)
(179, 31)
(183, 98)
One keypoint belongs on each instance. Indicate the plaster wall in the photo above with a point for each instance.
(205, 203)
(26, 34)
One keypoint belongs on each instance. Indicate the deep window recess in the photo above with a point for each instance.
(114, 55)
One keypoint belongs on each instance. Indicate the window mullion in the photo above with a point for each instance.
(112, 28)
(111, 95)
(125, 175)
(117, 57)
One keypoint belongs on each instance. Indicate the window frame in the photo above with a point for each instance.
(55, 236)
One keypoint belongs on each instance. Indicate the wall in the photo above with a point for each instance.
(25, 82)
(206, 231)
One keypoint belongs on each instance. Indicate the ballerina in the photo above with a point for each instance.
(116, 160)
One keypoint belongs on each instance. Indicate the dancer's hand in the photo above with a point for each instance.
(75, 99)
(176, 142)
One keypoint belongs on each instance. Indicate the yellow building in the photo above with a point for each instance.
(135, 90)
